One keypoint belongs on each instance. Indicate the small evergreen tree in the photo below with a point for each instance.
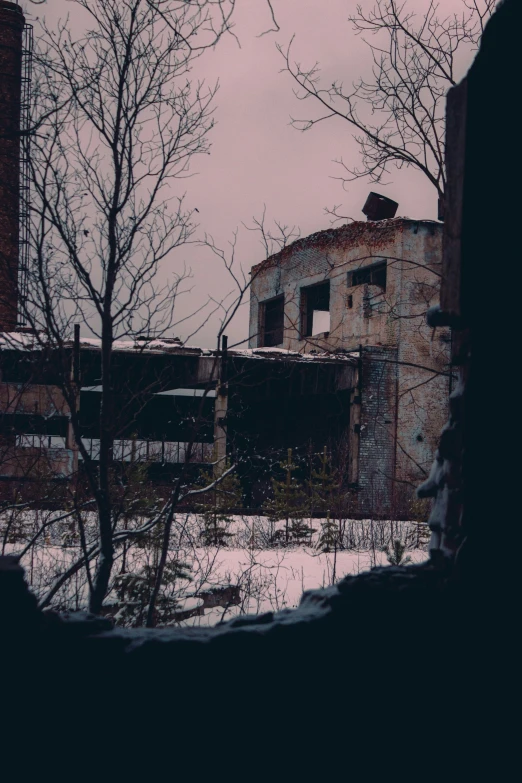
(289, 505)
(300, 532)
(395, 555)
(134, 591)
(329, 541)
(329, 535)
(325, 495)
(135, 498)
(216, 508)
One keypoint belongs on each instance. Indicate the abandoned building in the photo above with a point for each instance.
(178, 395)
(340, 354)
(363, 290)
(415, 665)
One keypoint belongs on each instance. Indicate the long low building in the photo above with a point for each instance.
(247, 405)
(368, 386)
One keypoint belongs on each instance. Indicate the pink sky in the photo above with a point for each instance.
(257, 158)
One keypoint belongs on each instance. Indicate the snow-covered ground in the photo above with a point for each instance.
(269, 578)
(275, 579)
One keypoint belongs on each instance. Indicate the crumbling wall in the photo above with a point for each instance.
(29, 411)
(11, 26)
(476, 475)
(361, 314)
(423, 380)
(413, 393)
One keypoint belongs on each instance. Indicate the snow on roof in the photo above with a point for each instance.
(27, 341)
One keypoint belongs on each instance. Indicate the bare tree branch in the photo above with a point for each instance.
(397, 115)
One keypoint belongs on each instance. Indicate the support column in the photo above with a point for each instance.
(76, 387)
(355, 428)
(220, 412)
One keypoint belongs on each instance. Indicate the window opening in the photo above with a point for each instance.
(273, 314)
(369, 275)
(315, 308)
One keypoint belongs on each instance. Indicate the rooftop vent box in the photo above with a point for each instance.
(379, 207)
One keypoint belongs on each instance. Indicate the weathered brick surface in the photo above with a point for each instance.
(38, 462)
(377, 452)
(413, 253)
(45, 400)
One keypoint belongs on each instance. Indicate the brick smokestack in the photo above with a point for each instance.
(11, 27)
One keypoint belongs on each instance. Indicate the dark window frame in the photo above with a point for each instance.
(307, 312)
(373, 274)
(268, 338)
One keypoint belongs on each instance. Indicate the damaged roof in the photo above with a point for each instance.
(374, 232)
(27, 341)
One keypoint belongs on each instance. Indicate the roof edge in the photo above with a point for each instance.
(357, 229)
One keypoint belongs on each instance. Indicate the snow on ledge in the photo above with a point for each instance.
(28, 341)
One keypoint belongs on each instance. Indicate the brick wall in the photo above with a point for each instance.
(423, 357)
(377, 452)
(410, 248)
(11, 26)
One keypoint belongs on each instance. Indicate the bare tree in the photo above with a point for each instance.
(397, 114)
(118, 121)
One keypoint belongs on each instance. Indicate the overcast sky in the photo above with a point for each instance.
(257, 158)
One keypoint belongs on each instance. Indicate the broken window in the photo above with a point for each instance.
(369, 275)
(315, 309)
(272, 322)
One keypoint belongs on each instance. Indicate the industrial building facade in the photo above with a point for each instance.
(340, 355)
(363, 290)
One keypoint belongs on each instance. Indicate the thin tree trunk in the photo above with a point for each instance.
(150, 621)
(106, 558)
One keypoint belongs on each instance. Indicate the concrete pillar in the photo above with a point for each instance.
(76, 389)
(11, 26)
(220, 411)
(220, 431)
(70, 442)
